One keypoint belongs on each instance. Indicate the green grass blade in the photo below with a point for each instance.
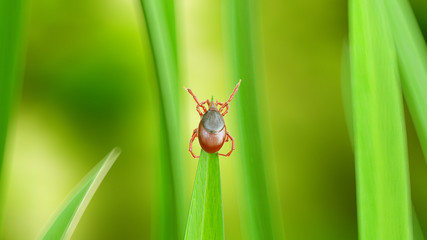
(160, 21)
(346, 92)
(412, 56)
(66, 220)
(205, 218)
(258, 188)
(12, 17)
(418, 232)
(383, 195)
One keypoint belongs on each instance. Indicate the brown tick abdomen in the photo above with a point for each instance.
(210, 142)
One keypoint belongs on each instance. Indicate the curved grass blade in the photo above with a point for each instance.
(205, 218)
(11, 60)
(12, 18)
(346, 90)
(412, 56)
(383, 196)
(261, 222)
(160, 21)
(418, 232)
(66, 220)
(346, 95)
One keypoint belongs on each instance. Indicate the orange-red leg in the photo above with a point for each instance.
(231, 97)
(191, 143)
(232, 145)
(227, 107)
(197, 101)
(198, 110)
(201, 105)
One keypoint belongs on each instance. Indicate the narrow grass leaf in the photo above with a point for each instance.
(412, 56)
(346, 92)
(160, 21)
(418, 232)
(205, 218)
(261, 215)
(67, 218)
(383, 197)
(12, 18)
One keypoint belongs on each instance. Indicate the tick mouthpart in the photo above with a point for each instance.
(211, 102)
(213, 108)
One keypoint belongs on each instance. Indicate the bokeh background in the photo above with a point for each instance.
(89, 85)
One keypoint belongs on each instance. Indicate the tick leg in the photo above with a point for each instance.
(232, 145)
(227, 107)
(205, 102)
(231, 96)
(197, 101)
(201, 105)
(191, 143)
(198, 110)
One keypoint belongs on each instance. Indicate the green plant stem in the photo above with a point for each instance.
(205, 218)
(383, 197)
(160, 21)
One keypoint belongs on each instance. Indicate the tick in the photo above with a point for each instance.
(212, 132)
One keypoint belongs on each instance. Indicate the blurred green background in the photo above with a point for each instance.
(89, 85)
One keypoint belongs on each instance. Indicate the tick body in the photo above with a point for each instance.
(212, 131)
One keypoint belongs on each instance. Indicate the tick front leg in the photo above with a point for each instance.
(191, 143)
(198, 110)
(197, 101)
(231, 97)
(227, 107)
(232, 145)
(205, 102)
(201, 105)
